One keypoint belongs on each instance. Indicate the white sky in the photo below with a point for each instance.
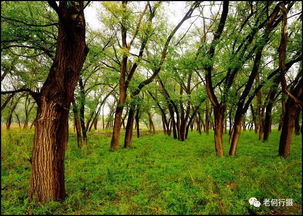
(175, 13)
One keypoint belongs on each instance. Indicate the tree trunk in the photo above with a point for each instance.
(254, 118)
(243, 123)
(103, 118)
(137, 118)
(11, 112)
(288, 126)
(164, 125)
(77, 125)
(268, 119)
(234, 137)
(259, 110)
(219, 121)
(9, 121)
(129, 127)
(96, 123)
(51, 125)
(117, 126)
(27, 110)
(225, 127)
(173, 126)
(18, 119)
(199, 122)
(297, 124)
(115, 144)
(283, 112)
(82, 112)
(206, 123)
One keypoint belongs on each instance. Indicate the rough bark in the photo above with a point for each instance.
(51, 126)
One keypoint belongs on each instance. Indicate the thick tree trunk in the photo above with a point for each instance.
(288, 126)
(47, 178)
(219, 121)
(51, 125)
(289, 119)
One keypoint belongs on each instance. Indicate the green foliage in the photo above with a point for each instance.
(160, 176)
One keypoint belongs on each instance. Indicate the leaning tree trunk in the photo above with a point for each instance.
(51, 126)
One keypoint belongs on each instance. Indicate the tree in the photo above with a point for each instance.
(219, 108)
(51, 127)
(295, 96)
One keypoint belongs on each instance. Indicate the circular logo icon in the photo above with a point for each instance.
(257, 204)
(253, 201)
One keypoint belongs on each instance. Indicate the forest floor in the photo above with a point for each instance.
(159, 176)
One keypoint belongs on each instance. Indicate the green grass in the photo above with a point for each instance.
(160, 176)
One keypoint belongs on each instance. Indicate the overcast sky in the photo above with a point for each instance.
(175, 11)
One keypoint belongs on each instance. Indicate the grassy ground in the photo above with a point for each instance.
(159, 176)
